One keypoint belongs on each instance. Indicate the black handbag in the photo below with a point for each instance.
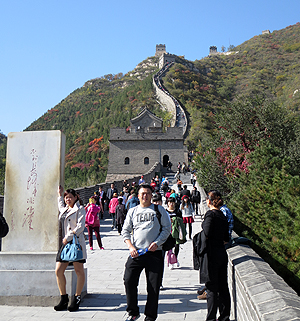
(170, 241)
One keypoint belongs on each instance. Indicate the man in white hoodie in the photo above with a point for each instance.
(147, 233)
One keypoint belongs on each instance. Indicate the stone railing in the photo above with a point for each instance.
(86, 192)
(257, 292)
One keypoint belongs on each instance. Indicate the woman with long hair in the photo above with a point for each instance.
(187, 213)
(215, 228)
(72, 220)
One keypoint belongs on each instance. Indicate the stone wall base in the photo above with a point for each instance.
(33, 287)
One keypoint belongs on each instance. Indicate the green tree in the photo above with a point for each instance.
(267, 206)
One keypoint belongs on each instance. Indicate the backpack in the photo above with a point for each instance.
(170, 241)
(3, 226)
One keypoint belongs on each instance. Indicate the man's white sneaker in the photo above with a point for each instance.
(132, 317)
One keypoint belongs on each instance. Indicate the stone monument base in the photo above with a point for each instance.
(29, 279)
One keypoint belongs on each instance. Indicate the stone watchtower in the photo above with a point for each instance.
(135, 150)
(160, 49)
(213, 50)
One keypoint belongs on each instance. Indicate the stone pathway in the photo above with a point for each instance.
(106, 299)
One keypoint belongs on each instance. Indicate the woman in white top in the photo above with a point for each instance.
(72, 220)
(187, 213)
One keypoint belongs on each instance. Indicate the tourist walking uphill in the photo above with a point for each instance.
(72, 220)
(147, 235)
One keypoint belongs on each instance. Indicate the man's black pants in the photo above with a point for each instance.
(152, 263)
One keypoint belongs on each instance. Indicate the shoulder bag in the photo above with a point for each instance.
(72, 251)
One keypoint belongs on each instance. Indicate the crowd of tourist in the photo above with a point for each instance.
(145, 223)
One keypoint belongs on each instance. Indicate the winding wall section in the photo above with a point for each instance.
(169, 102)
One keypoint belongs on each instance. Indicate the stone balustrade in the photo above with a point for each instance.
(257, 292)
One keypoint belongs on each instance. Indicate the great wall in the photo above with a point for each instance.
(257, 292)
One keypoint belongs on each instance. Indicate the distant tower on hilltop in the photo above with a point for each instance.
(213, 50)
(160, 49)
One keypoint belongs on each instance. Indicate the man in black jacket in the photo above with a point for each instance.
(185, 192)
(195, 199)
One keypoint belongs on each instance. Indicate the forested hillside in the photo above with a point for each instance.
(266, 64)
(245, 128)
(88, 113)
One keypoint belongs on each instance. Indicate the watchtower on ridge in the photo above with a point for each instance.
(160, 49)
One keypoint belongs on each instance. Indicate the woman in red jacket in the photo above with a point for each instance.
(92, 222)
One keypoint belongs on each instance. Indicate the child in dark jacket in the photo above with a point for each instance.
(120, 214)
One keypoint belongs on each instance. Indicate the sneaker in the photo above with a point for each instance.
(91, 248)
(202, 296)
(132, 317)
(171, 267)
(101, 248)
(178, 265)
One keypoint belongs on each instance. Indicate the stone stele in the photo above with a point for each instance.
(34, 169)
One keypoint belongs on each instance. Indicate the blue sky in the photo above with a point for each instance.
(50, 48)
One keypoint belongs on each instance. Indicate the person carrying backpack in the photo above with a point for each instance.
(132, 202)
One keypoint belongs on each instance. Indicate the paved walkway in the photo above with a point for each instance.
(106, 298)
